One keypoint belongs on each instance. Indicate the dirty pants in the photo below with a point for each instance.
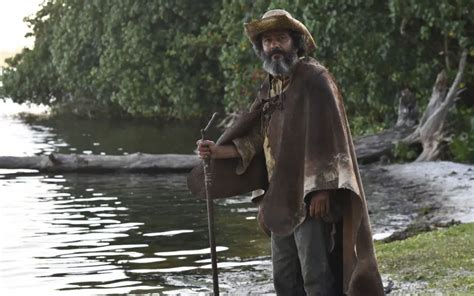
(301, 260)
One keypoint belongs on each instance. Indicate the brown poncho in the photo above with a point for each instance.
(310, 139)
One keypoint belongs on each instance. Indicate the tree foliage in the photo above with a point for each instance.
(183, 59)
(152, 58)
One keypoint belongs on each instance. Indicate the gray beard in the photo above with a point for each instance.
(281, 66)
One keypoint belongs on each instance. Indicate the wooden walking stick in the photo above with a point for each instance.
(210, 209)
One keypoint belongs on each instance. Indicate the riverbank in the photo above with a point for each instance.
(418, 195)
(421, 196)
(440, 261)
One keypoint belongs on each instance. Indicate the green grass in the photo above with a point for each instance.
(443, 259)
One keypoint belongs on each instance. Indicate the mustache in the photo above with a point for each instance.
(276, 51)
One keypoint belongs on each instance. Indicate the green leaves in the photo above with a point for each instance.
(154, 58)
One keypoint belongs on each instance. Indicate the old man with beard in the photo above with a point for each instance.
(294, 151)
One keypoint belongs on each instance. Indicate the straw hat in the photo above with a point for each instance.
(278, 19)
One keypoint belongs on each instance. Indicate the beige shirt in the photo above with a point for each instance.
(253, 142)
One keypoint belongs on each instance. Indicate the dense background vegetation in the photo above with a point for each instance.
(181, 59)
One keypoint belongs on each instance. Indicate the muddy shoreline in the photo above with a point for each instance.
(418, 195)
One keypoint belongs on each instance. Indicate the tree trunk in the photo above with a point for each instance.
(407, 109)
(430, 130)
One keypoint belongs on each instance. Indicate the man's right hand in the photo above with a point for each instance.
(209, 149)
(206, 149)
(319, 205)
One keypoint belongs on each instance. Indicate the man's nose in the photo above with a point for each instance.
(275, 44)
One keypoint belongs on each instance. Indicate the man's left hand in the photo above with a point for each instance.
(319, 204)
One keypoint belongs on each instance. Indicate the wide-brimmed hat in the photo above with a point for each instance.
(278, 19)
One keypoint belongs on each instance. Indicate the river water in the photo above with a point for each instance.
(89, 234)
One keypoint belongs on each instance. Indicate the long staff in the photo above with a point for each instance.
(210, 210)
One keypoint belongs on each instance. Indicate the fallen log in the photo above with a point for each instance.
(369, 149)
(137, 162)
(372, 148)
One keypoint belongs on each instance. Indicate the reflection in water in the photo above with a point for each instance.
(190, 252)
(168, 233)
(42, 135)
(117, 234)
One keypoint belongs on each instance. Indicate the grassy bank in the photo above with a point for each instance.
(438, 261)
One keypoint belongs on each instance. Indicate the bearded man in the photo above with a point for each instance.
(294, 148)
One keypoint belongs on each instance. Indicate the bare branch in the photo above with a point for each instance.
(446, 52)
(455, 86)
(431, 131)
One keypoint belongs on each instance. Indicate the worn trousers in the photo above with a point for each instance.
(301, 260)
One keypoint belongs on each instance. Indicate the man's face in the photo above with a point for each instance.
(279, 53)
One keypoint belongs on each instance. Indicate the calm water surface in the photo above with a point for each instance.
(120, 233)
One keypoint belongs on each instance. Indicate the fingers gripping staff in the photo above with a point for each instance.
(210, 209)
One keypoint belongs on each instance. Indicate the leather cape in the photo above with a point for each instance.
(313, 150)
